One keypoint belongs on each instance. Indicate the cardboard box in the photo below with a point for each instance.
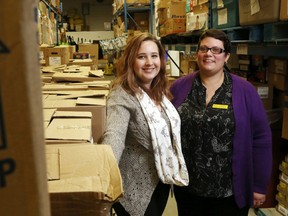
(162, 15)
(278, 66)
(281, 209)
(284, 10)
(83, 62)
(201, 8)
(81, 55)
(93, 50)
(162, 4)
(175, 26)
(69, 125)
(262, 11)
(265, 92)
(137, 1)
(72, 49)
(42, 51)
(84, 179)
(196, 22)
(162, 30)
(199, 2)
(279, 81)
(98, 118)
(173, 10)
(142, 19)
(23, 184)
(57, 55)
(176, 10)
(188, 64)
(69, 101)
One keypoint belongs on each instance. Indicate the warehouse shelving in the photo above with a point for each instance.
(58, 16)
(259, 43)
(269, 39)
(127, 9)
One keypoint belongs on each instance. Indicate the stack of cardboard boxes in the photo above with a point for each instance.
(171, 16)
(197, 16)
(86, 55)
(83, 177)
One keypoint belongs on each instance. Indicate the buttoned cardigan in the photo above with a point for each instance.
(252, 142)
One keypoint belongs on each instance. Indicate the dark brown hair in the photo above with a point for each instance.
(217, 34)
(126, 76)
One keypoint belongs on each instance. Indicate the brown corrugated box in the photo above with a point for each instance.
(279, 81)
(70, 125)
(258, 12)
(278, 65)
(84, 179)
(265, 92)
(58, 55)
(93, 50)
(175, 25)
(23, 185)
(284, 10)
(98, 110)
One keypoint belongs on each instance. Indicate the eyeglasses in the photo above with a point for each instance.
(214, 50)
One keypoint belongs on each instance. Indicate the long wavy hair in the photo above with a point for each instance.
(127, 78)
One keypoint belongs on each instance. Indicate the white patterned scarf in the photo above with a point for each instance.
(169, 160)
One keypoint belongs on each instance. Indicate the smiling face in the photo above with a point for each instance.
(208, 62)
(147, 63)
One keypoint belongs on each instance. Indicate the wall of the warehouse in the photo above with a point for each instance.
(99, 12)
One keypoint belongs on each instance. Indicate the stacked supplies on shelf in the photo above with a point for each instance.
(282, 188)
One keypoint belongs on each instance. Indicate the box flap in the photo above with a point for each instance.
(57, 87)
(48, 113)
(70, 129)
(91, 101)
(98, 119)
(72, 114)
(53, 163)
(88, 168)
(97, 73)
(59, 103)
(84, 93)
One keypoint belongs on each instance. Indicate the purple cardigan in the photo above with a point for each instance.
(252, 142)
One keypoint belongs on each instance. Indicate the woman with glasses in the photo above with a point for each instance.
(225, 135)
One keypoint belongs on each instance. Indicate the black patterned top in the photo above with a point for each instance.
(207, 134)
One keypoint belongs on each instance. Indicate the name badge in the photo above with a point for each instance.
(220, 106)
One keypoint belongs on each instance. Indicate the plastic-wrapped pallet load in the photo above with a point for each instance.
(23, 184)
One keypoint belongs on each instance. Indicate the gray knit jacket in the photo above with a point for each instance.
(128, 133)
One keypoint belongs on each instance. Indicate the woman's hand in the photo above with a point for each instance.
(259, 199)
